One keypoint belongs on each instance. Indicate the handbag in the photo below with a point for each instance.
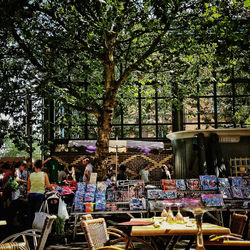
(41, 216)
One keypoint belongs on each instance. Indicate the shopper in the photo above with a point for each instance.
(20, 179)
(61, 174)
(122, 173)
(170, 167)
(37, 183)
(144, 173)
(165, 172)
(87, 171)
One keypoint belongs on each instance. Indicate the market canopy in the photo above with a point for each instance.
(119, 145)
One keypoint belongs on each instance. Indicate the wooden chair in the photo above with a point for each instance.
(39, 237)
(237, 225)
(234, 239)
(98, 236)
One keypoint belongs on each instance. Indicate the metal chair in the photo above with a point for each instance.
(39, 237)
(98, 236)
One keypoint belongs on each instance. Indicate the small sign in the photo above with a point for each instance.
(117, 146)
(93, 178)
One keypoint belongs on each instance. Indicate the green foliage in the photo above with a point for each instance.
(87, 55)
(11, 184)
(10, 150)
(59, 226)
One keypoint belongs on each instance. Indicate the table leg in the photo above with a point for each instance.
(173, 242)
(190, 243)
(75, 226)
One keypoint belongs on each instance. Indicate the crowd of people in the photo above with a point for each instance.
(23, 184)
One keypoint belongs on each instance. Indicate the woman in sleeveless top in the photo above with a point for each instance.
(37, 183)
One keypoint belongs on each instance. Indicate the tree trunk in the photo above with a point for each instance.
(105, 118)
(104, 130)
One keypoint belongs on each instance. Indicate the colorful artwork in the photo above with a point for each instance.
(170, 194)
(122, 195)
(237, 181)
(208, 182)
(191, 202)
(137, 204)
(223, 182)
(136, 191)
(237, 193)
(168, 184)
(155, 194)
(246, 181)
(246, 192)
(226, 192)
(180, 184)
(193, 184)
(212, 200)
(193, 194)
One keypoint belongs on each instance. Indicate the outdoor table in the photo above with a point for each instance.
(174, 230)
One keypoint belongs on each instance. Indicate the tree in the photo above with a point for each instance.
(78, 52)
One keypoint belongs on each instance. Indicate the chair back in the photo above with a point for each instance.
(87, 217)
(45, 232)
(95, 232)
(238, 223)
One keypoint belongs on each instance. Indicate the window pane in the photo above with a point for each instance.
(92, 119)
(148, 131)
(147, 91)
(224, 109)
(242, 88)
(191, 114)
(131, 131)
(92, 132)
(163, 130)
(242, 110)
(224, 89)
(164, 111)
(115, 132)
(131, 113)
(206, 110)
(206, 89)
(147, 111)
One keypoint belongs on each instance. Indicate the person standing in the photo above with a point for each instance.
(20, 179)
(170, 167)
(122, 173)
(37, 183)
(165, 172)
(87, 171)
(144, 173)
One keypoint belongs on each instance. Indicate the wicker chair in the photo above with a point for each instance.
(87, 217)
(98, 236)
(39, 237)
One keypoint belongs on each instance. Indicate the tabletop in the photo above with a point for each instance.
(176, 229)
